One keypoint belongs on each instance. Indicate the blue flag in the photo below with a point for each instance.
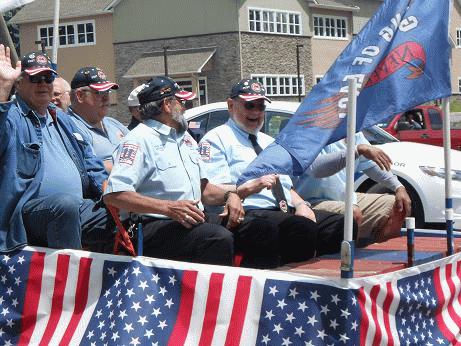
(400, 59)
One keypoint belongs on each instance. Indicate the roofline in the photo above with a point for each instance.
(113, 4)
(98, 13)
(338, 7)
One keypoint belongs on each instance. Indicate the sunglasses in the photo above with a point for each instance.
(97, 92)
(48, 79)
(251, 105)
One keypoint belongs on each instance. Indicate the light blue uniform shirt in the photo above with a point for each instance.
(60, 173)
(155, 161)
(102, 142)
(226, 152)
(332, 188)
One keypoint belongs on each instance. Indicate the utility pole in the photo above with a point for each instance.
(298, 70)
(5, 38)
(165, 59)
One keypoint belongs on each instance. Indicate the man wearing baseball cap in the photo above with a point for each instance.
(133, 107)
(50, 179)
(157, 176)
(89, 107)
(226, 152)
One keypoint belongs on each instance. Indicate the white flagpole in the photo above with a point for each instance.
(448, 190)
(347, 246)
(54, 57)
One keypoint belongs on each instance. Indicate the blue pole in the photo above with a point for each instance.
(140, 239)
(410, 224)
(449, 221)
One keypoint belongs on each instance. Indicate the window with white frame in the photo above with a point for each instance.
(274, 21)
(70, 34)
(330, 27)
(458, 37)
(280, 85)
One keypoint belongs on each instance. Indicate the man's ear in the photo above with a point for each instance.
(230, 104)
(79, 94)
(166, 106)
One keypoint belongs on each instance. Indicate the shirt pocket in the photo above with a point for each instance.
(162, 164)
(28, 159)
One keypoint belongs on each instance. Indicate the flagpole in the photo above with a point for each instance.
(54, 57)
(347, 246)
(448, 190)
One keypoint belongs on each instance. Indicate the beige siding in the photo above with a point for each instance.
(285, 5)
(70, 59)
(325, 50)
(456, 53)
(172, 18)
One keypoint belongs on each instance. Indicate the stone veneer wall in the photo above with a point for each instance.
(224, 72)
(276, 54)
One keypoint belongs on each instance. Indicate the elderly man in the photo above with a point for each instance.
(50, 180)
(133, 107)
(228, 149)
(61, 93)
(89, 106)
(379, 216)
(158, 176)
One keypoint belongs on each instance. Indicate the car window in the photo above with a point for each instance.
(375, 135)
(275, 122)
(216, 119)
(436, 119)
(198, 126)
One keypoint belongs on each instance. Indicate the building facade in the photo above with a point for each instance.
(207, 45)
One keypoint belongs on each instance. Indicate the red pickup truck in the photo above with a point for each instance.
(422, 124)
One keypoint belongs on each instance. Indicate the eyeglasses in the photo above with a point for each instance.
(98, 92)
(181, 101)
(48, 79)
(58, 94)
(251, 105)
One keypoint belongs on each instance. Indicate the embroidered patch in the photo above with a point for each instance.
(283, 206)
(205, 151)
(128, 154)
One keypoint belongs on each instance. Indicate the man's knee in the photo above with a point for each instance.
(66, 205)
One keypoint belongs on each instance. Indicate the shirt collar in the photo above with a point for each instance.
(25, 109)
(158, 127)
(88, 125)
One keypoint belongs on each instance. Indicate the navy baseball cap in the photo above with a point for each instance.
(93, 77)
(161, 87)
(36, 62)
(249, 90)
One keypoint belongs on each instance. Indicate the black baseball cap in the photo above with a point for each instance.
(249, 90)
(93, 77)
(36, 62)
(161, 87)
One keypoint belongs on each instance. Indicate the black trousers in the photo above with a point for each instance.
(300, 238)
(212, 243)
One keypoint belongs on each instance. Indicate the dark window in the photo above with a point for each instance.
(436, 120)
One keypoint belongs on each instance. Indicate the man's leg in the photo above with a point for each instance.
(297, 234)
(331, 231)
(204, 243)
(53, 221)
(97, 227)
(258, 241)
(381, 221)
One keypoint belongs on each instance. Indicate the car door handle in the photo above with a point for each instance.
(424, 135)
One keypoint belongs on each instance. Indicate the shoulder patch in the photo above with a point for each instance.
(205, 150)
(128, 153)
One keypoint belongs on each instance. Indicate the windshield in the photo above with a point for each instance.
(385, 123)
(376, 135)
